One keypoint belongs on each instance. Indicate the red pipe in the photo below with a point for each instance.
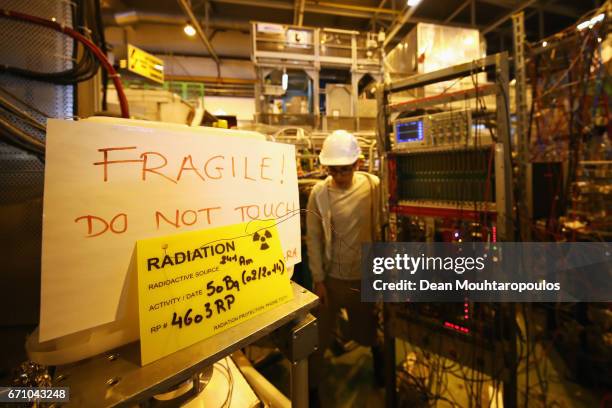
(14, 15)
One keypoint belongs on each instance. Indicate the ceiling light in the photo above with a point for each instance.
(590, 23)
(597, 18)
(583, 25)
(544, 43)
(189, 30)
(285, 80)
(412, 3)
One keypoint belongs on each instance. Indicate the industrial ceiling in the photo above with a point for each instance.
(542, 17)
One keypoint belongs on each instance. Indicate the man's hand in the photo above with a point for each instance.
(321, 292)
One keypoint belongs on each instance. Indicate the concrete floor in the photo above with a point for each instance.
(349, 382)
(349, 379)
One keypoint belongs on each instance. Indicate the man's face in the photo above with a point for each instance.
(342, 175)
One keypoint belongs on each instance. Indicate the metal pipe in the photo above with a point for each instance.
(375, 16)
(310, 7)
(333, 9)
(473, 13)
(207, 79)
(268, 393)
(550, 6)
(400, 23)
(458, 10)
(132, 17)
(353, 7)
(298, 14)
(507, 16)
(196, 24)
(299, 384)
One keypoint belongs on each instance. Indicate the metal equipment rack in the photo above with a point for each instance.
(279, 46)
(117, 379)
(499, 209)
(503, 168)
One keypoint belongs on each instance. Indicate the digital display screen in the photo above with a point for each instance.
(409, 131)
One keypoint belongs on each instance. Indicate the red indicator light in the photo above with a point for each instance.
(456, 327)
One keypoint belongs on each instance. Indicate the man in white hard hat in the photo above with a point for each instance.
(343, 212)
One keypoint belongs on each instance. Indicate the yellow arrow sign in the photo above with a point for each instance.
(145, 64)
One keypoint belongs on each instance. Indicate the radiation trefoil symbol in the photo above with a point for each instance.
(262, 238)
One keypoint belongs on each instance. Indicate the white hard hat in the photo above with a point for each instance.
(339, 149)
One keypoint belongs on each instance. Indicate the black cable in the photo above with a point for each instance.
(85, 68)
(513, 219)
(23, 136)
(24, 103)
(14, 141)
(102, 45)
(426, 389)
(14, 134)
(21, 115)
(21, 139)
(77, 20)
(230, 381)
(576, 125)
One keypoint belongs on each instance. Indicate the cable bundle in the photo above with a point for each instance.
(86, 67)
(91, 47)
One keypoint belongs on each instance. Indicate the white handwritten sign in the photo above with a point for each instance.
(109, 183)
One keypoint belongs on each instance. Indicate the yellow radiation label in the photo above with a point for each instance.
(196, 284)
